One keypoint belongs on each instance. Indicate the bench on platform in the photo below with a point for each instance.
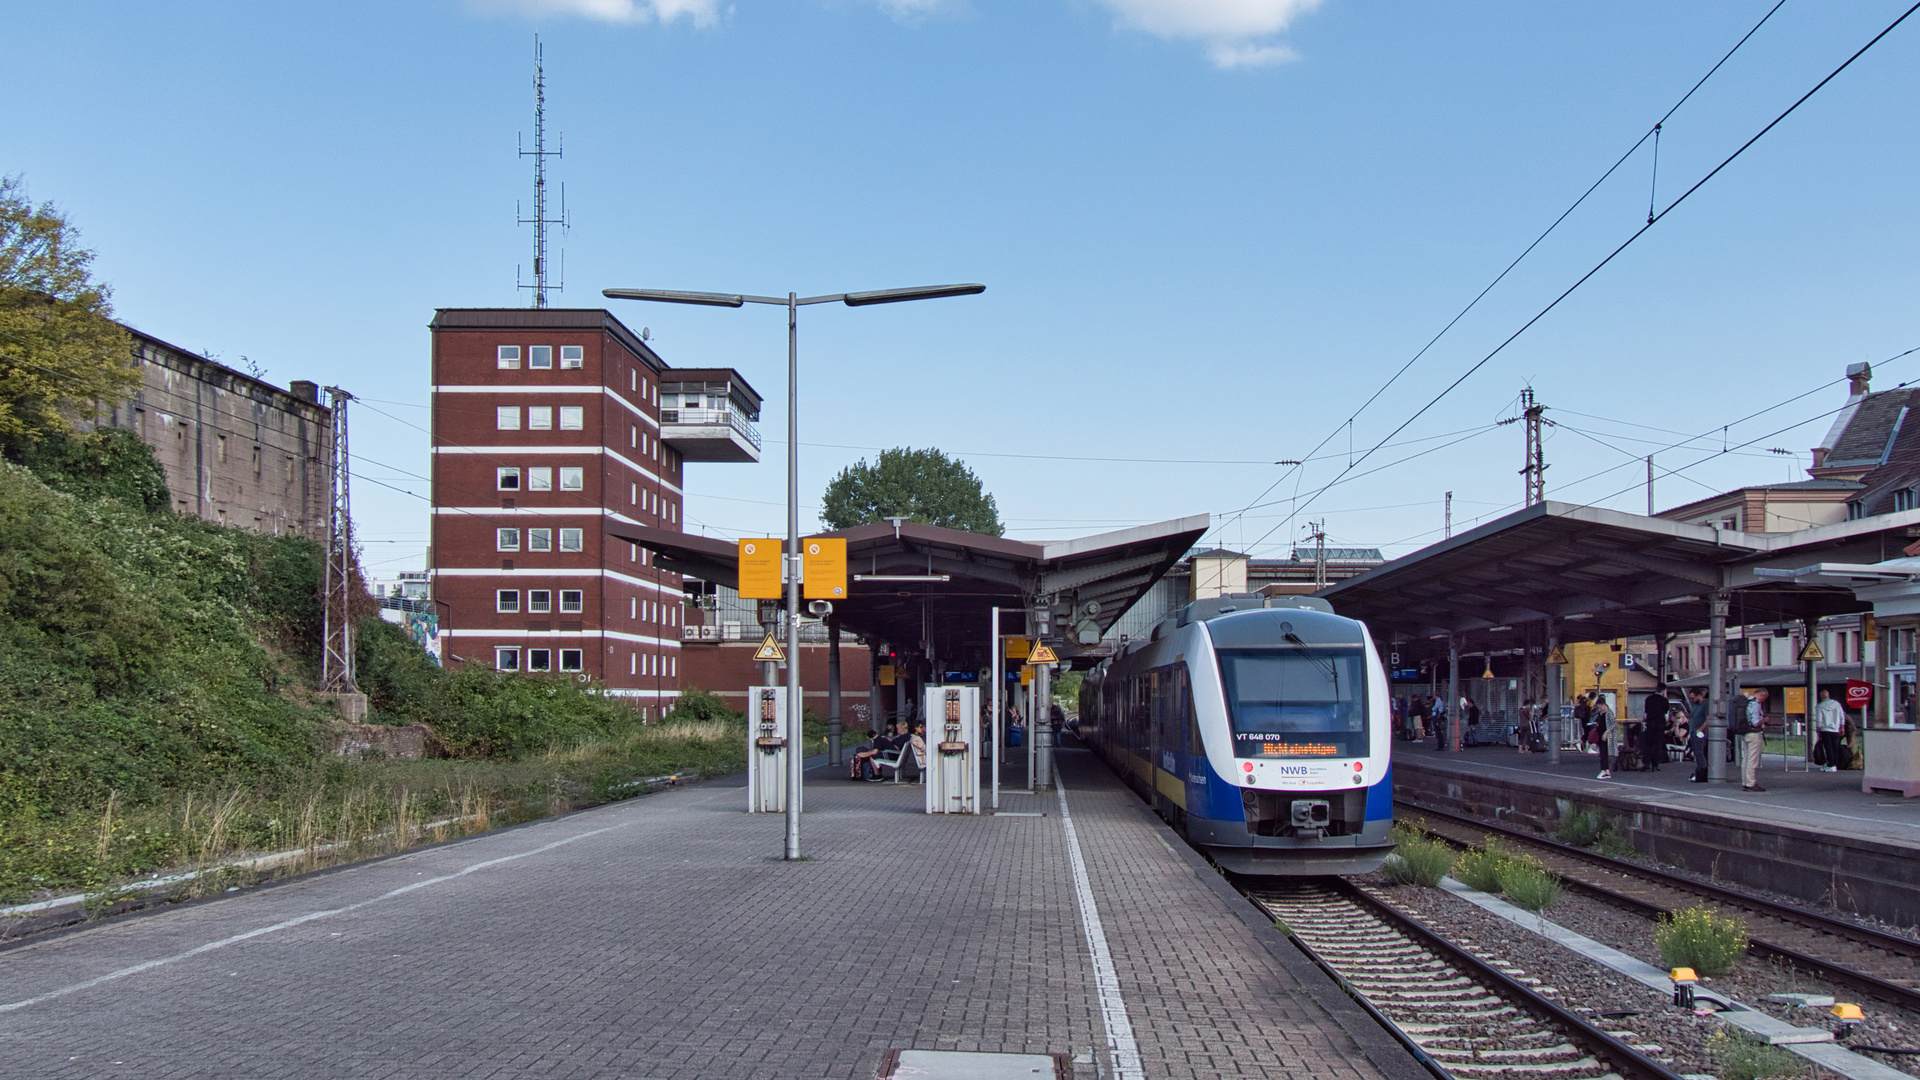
(900, 761)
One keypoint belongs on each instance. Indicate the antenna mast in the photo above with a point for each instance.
(336, 657)
(540, 154)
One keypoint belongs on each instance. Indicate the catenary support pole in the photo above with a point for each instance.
(796, 747)
(999, 687)
(1043, 733)
(835, 729)
(1717, 604)
(1453, 692)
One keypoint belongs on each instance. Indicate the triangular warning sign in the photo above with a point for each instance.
(769, 651)
(1041, 655)
(1558, 656)
(1812, 651)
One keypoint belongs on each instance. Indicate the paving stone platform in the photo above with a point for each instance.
(664, 938)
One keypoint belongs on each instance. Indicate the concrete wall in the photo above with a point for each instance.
(237, 451)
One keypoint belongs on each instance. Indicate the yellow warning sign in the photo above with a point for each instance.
(1018, 648)
(769, 651)
(1557, 656)
(1812, 651)
(760, 569)
(823, 568)
(1042, 655)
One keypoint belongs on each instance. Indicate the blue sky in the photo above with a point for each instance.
(1209, 228)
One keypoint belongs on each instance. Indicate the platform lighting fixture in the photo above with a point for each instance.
(793, 302)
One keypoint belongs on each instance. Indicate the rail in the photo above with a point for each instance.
(1852, 934)
(1312, 916)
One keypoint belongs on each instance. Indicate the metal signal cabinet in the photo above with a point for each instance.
(953, 749)
(767, 749)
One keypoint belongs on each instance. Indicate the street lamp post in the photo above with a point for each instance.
(793, 302)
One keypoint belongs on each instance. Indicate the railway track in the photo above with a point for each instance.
(1464, 1016)
(1884, 965)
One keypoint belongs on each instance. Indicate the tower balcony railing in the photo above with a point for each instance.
(712, 418)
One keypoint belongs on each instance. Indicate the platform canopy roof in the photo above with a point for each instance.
(1602, 574)
(896, 593)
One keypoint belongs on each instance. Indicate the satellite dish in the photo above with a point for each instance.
(646, 334)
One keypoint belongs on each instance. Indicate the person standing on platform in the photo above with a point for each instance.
(1602, 721)
(1437, 719)
(1653, 734)
(1753, 741)
(1829, 718)
(1697, 732)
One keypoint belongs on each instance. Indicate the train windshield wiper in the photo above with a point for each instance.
(1327, 667)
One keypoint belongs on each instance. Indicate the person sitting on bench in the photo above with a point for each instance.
(911, 753)
(860, 768)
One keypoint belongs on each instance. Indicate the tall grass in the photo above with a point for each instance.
(1522, 879)
(1417, 859)
(344, 810)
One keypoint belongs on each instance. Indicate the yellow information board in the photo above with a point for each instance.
(886, 674)
(1018, 648)
(1796, 700)
(1026, 674)
(823, 564)
(760, 569)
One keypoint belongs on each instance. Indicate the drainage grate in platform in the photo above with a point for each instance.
(964, 1065)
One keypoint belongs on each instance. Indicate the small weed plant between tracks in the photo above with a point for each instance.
(1701, 938)
(1418, 859)
(1580, 826)
(1736, 1057)
(1522, 879)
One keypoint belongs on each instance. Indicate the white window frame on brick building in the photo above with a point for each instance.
(506, 539)
(539, 601)
(506, 418)
(506, 601)
(539, 659)
(572, 357)
(572, 478)
(573, 539)
(572, 601)
(506, 478)
(540, 357)
(539, 418)
(573, 417)
(540, 478)
(506, 658)
(507, 357)
(539, 539)
(573, 659)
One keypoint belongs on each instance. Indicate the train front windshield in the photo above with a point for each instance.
(1296, 702)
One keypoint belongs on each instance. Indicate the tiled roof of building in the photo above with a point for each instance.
(1870, 428)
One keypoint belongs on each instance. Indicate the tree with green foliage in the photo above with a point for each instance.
(925, 486)
(60, 350)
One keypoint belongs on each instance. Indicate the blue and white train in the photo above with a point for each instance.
(1259, 728)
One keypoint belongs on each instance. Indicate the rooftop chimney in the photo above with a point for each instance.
(1859, 378)
(308, 391)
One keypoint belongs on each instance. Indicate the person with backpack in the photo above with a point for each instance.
(1697, 732)
(1653, 735)
(1753, 740)
(1583, 719)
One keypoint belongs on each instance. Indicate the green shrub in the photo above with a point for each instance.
(1615, 844)
(1419, 862)
(695, 704)
(1580, 826)
(106, 463)
(1701, 938)
(1527, 883)
(1481, 869)
(1736, 1057)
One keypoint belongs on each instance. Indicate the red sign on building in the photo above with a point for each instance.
(1859, 694)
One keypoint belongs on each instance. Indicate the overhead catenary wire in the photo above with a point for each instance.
(1528, 250)
(1608, 259)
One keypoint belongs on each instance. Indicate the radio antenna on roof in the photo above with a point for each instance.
(540, 220)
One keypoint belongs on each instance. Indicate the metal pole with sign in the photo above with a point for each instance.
(999, 688)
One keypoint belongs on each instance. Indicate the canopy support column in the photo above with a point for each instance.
(834, 727)
(1453, 692)
(1717, 605)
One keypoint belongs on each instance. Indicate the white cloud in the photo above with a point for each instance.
(1232, 29)
(698, 12)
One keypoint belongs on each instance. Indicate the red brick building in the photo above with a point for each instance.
(546, 429)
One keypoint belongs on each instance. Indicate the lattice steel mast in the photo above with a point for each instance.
(540, 154)
(1535, 469)
(336, 658)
